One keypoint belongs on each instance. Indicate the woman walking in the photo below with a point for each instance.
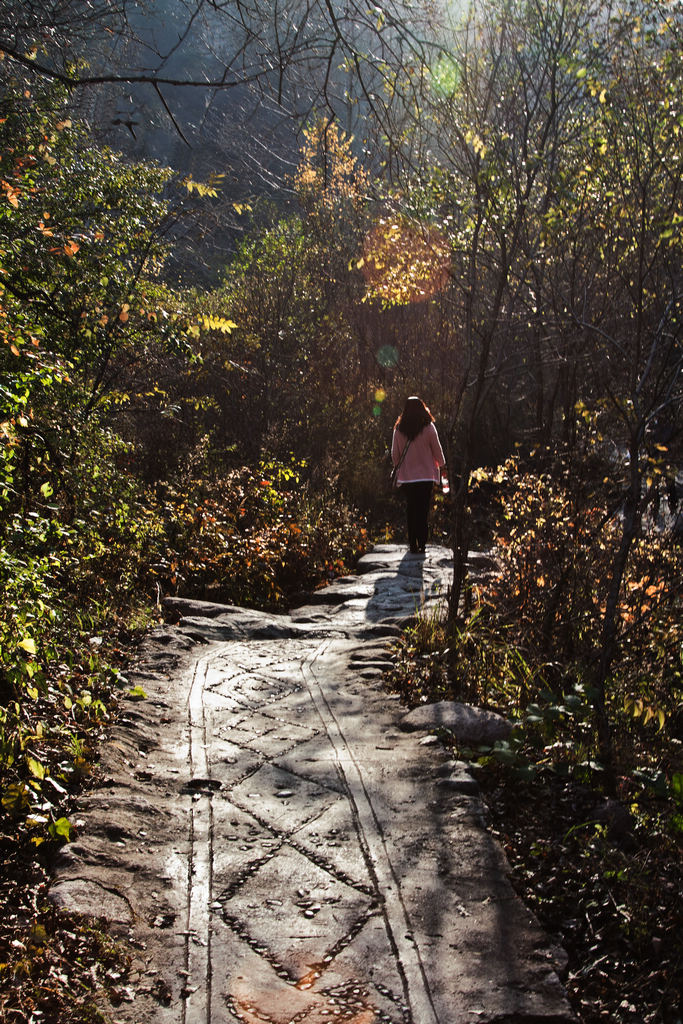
(416, 451)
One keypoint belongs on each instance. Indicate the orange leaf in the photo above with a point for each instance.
(71, 248)
(12, 194)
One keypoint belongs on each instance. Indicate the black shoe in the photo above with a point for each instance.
(421, 549)
(413, 549)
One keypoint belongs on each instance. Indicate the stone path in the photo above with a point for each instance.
(279, 851)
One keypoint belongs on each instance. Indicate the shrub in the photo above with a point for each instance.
(255, 538)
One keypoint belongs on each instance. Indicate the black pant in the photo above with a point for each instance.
(418, 500)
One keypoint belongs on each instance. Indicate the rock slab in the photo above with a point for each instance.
(277, 850)
(471, 726)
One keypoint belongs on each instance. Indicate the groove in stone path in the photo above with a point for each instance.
(417, 992)
(196, 1006)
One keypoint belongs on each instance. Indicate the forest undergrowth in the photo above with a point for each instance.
(595, 845)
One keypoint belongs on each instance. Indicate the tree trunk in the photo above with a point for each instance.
(609, 633)
(459, 543)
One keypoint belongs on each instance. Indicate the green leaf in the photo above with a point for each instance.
(677, 787)
(61, 829)
(35, 767)
(137, 693)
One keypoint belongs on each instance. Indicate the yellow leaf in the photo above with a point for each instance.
(218, 323)
(36, 769)
(197, 186)
(29, 645)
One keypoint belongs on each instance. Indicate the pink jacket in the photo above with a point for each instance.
(423, 458)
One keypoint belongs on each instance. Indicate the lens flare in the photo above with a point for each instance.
(445, 77)
(387, 356)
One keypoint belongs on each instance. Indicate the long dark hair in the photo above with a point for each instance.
(414, 418)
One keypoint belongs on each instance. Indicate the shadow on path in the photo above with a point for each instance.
(407, 589)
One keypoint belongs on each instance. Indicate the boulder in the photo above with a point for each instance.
(468, 724)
